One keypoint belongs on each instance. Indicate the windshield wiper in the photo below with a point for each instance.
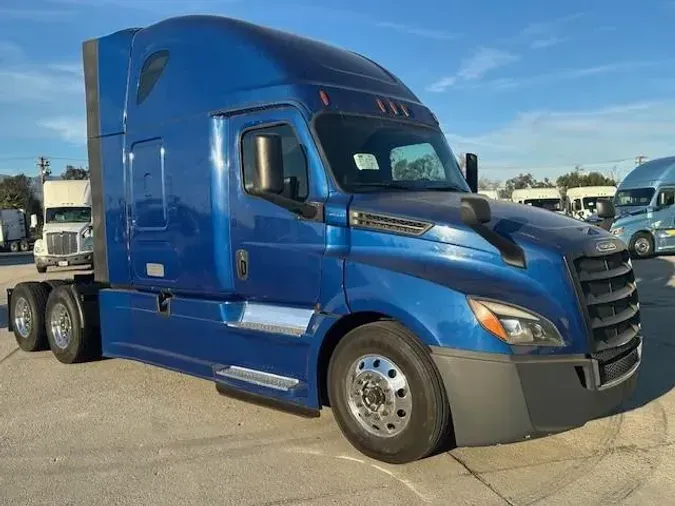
(444, 187)
(393, 186)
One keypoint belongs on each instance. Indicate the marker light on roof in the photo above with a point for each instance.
(381, 105)
(393, 107)
(324, 98)
(405, 110)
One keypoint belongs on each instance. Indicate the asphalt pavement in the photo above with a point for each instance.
(123, 433)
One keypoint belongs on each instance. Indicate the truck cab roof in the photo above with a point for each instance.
(650, 174)
(224, 64)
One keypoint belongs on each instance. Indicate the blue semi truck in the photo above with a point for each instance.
(285, 219)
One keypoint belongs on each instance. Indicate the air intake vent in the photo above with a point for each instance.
(372, 221)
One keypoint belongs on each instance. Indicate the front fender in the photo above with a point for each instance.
(439, 316)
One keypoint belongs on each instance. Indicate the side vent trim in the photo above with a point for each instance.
(388, 223)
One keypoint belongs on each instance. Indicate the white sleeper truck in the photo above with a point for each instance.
(546, 198)
(67, 237)
(582, 201)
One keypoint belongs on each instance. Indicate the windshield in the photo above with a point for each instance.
(591, 202)
(635, 197)
(550, 204)
(68, 215)
(369, 154)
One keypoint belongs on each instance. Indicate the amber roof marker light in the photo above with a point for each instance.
(324, 97)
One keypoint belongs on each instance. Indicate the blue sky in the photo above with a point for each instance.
(528, 85)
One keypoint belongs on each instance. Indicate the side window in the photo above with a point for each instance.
(415, 162)
(150, 74)
(666, 197)
(295, 162)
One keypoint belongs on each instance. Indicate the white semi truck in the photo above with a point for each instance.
(13, 230)
(546, 198)
(582, 201)
(67, 235)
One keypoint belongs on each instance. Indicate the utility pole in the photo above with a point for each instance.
(45, 171)
(640, 159)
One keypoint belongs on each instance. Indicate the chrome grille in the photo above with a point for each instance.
(62, 243)
(609, 295)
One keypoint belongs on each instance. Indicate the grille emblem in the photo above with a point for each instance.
(605, 246)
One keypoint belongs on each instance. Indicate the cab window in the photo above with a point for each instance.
(666, 197)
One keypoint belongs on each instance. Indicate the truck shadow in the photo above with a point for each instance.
(4, 315)
(7, 259)
(657, 296)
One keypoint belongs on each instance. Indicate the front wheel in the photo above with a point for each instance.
(41, 268)
(386, 394)
(642, 245)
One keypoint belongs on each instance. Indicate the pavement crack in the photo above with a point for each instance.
(481, 479)
(9, 355)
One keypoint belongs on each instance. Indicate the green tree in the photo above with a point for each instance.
(424, 167)
(16, 192)
(576, 179)
(73, 172)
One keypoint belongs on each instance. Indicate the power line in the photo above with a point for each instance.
(12, 158)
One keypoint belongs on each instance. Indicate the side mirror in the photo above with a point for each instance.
(471, 167)
(605, 209)
(268, 175)
(33, 221)
(475, 211)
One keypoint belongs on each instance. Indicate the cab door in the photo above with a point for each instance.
(663, 219)
(278, 255)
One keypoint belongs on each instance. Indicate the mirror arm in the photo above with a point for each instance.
(305, 210)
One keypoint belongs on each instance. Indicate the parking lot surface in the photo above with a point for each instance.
(120, 432)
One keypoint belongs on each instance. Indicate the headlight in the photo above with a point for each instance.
(618, 231)
(514, 325)
(86, 233)
(38, 247)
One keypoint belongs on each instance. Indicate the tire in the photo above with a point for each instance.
(53, 283)
(413, 406)
(29, 301)
(41, 268)
(642, 245)
(69, 342)
(14, 247)
(23, 246)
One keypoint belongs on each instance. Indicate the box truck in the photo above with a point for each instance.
(67, 231)
(286, 219)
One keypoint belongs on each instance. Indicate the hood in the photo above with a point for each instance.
(525, 225)
(64, 227)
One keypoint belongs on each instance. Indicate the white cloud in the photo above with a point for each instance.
(10, 52)
(541, 28)
(547, 42)
(38, 15)
(35, 84)
(67, 68)
(422, 32)
(483, 60)
(70, 128)
(552, 142)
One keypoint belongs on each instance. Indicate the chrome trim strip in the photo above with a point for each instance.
(260, 378)
(274, 319)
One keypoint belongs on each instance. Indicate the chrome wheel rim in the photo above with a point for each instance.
(379, 396)
(61, 326)
(642, 246)
(23, 318)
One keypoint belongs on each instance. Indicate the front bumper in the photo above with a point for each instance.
(64, 261)
(505, 398)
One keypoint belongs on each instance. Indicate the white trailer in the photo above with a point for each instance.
(13, 230)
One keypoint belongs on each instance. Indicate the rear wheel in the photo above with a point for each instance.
(14, 247)
(67, 338)
(26, 313)
(24, 245)
(642, 245)
(386, 394)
